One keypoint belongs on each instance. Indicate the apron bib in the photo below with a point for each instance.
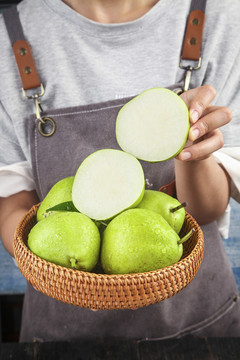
(208, 306)
(79, 132)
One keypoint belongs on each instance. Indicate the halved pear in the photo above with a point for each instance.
(154, 125)
(107, 182)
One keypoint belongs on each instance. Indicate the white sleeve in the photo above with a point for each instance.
(223, 223)
(15, 178)
(15, 170)
(229, 158)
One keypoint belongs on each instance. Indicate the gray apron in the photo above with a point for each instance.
(208, 306)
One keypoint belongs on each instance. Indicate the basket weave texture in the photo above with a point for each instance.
(101, 291)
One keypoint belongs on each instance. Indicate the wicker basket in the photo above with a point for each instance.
(101, 291)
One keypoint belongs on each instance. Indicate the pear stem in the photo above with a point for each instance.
(73, 263)
(184, 204)
(186, 237)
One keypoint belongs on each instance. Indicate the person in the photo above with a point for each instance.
(92, 57)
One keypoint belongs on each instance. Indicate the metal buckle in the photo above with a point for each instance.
(34, 96)
(46, 125)
(188, 72)
(187, 66)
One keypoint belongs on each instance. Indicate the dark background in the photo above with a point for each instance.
(10, 305)
(4, 4)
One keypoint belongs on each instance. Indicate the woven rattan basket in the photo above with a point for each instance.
(101, 291)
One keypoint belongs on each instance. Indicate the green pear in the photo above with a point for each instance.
(154, 125)
(69, 239)
(106, 183)
(139, 240)
(59, 193)
(167, 206)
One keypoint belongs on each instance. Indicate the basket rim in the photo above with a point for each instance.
(92, 275)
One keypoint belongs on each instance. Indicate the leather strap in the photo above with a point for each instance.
(193, 36)
(26, 66)
(169, 189)
(191, 49)
(21, 49)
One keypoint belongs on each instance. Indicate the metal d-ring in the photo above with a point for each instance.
(46, 126)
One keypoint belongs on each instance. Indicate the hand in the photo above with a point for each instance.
(204, 135)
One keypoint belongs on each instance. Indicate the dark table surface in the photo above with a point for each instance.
(177, 349)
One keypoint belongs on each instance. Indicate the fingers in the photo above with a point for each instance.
(211, 121)
(201, 102)
(204, 135)
(212, 142)
(197, 100)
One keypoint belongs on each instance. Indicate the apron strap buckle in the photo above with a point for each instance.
(46, 125)
(188, 72)
(34, 96)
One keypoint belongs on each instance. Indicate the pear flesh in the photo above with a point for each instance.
(68, 239)
(59, 193)
(164, 204)
(139, 240)
(106, 183)
(154, 125)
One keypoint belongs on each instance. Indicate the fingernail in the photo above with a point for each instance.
(195, 134)
(194, 115)
(185, 155)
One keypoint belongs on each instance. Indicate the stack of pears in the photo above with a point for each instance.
(103, 214)
(128, 237)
